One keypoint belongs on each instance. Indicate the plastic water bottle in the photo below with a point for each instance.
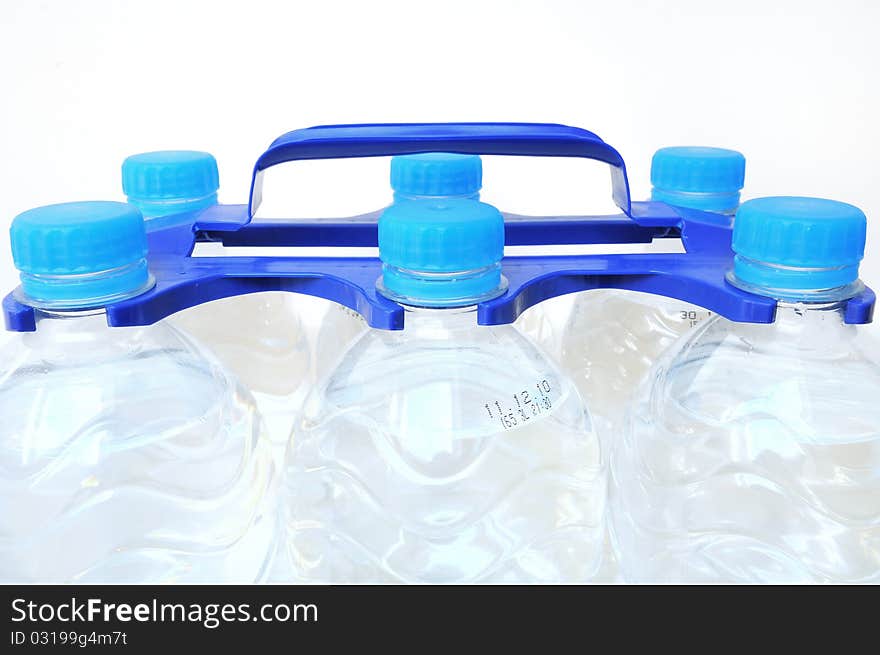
(753, 452)
(438, 175)
(612, 337)
(127, 455)
(429, 176)
(259, 337)
(448, 451)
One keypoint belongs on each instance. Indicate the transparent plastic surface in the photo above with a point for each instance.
(752, 454)
(611, 340)
(128, 455)
(446, 452)
(542, 324)
(260, 338)
(338, 328)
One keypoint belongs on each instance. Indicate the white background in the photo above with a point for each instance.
(83, 83)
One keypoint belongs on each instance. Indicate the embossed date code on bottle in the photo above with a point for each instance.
(522, 406)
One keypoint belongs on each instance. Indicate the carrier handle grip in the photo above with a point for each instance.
(381, 140)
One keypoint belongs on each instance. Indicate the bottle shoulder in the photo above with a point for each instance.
(820, 380)
(116, 382)
(807, 346)
(486, 355)
(477, 382)
(762, 444)
(61, 345)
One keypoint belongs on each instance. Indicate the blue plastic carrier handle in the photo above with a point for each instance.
(695, 276)
(382, 140)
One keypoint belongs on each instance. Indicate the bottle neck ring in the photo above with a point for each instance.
(722, 202)
(85, 290)
(403, 197)
(441, 289)
(158, 207)
(795, 284)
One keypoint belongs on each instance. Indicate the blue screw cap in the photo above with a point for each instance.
(441, 253)
(170, 181)
(698, 177)
(80, 254)
(791, 242)
(435, 174)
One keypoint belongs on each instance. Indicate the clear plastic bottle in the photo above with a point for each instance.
(259, 337)
(448, 451)
(428, 176)
(612, 337)
(127, 455)
(752, 453)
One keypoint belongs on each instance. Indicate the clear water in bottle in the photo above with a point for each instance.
(431, 176)
(338, 328)
(612, 337)
(259, 337)
(446, 452)
(611, 340)
(128, 455)
(542, 324)
(752, 453)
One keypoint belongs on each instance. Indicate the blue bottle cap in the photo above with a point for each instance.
(436, 174)
(698, 177)
(442, 254)
(798, 243)
(170, 181)
(80, 254)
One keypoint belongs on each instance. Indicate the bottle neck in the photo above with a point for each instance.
(153, 209)
(441, 289)
(788, 284)
(70, 321)
(74, 336)
(85, 290)
(439, 323)
(83, 338)
(807, 331)
(720, 203)
(811, 329)
(401, 196)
